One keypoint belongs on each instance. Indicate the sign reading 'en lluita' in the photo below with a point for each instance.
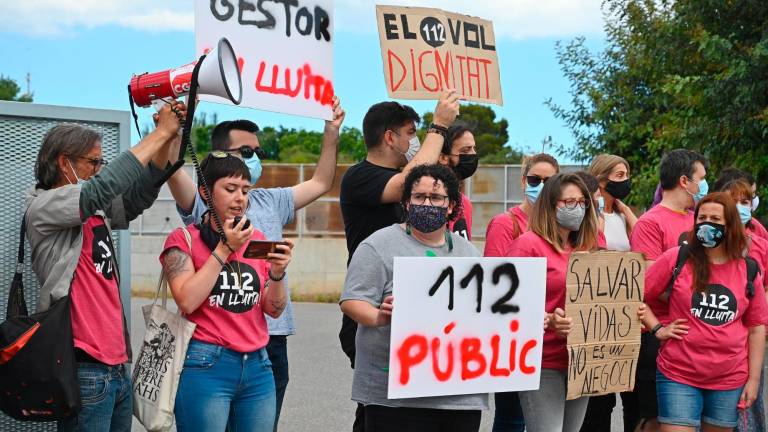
(466, 325)
(284, 50)
(604, 291)
(426, 51)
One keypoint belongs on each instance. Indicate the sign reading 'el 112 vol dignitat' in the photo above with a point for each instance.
(426, 51)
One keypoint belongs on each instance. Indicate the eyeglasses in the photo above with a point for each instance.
(571, 203)
(95, 162)
(247, 152)
(534, 180)
(435, 199)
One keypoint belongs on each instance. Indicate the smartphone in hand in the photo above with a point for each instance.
(258, 249)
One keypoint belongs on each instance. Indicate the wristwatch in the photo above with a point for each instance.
(435, 128)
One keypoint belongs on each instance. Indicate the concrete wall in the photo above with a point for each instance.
(316, 272)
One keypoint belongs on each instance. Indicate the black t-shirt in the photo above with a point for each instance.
(361, 207)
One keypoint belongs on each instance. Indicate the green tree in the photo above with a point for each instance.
(675, 74)
(491, 136)
(9, 91)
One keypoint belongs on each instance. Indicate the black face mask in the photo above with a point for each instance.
(619, 190)
(467, 166)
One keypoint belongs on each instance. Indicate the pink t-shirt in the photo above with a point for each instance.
(758, 249)
(713, 354)
(530, 244)
(462, 225)
(658, 230)
(757, 229)
(97, 314)
(232, 316)
(501, 231)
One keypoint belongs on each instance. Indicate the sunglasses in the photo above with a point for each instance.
(534, 180)
(247, 152)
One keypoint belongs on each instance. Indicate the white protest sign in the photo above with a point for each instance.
(284, 50)
(466, 325)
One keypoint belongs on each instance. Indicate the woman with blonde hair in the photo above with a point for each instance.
(562, 221)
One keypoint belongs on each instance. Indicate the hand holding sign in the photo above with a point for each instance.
(447, 109)
(385, 311)
(338, 116)
(561, 324)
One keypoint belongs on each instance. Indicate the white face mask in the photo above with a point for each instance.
(755, 202)
(413, 147)
(79, 180)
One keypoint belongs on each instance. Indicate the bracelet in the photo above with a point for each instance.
(273, 278)
(218, 258)
(440, 130)
(656, 328)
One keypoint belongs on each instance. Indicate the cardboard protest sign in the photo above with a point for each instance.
(466, 325)
(604, 291)
(426, 51)
(284, 49)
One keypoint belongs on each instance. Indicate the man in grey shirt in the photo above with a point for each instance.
(367, 298)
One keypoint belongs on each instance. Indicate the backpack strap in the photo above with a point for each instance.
(752, 271)
(17, 305)
(682, 257)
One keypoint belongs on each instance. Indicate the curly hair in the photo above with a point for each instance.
(441, 174)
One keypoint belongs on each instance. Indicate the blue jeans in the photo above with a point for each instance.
(684, 405)
(509, 413)
(221, 389)
(107, 400)
(277, 348)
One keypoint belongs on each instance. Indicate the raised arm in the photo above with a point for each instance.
(445, 113)
(322, 180)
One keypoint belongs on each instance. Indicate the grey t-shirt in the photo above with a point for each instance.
(369, 278)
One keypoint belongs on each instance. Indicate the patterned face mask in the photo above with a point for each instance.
(710, 234)
(427, 218)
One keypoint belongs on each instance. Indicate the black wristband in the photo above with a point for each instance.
(656, 328)
(441, 130)
(273, 278)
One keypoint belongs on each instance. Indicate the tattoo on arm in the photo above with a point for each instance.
(278, 306)
(175, 262)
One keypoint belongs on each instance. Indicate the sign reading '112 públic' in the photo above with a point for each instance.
(284, 50)
(426, 51)
(466, 325)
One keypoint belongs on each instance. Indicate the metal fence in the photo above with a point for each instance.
(493, 189)
(22, 127)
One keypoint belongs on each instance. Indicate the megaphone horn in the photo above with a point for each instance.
(219, 75)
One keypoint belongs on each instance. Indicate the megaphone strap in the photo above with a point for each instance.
(133, 110)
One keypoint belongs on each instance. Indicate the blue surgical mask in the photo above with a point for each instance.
(600, 204)
(254, 167)
(745, 213)
(79, 180)
(703, 191)
(532, 192)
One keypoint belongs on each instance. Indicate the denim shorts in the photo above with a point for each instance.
(684, 405)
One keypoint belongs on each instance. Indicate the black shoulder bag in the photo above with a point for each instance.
(38, 373)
